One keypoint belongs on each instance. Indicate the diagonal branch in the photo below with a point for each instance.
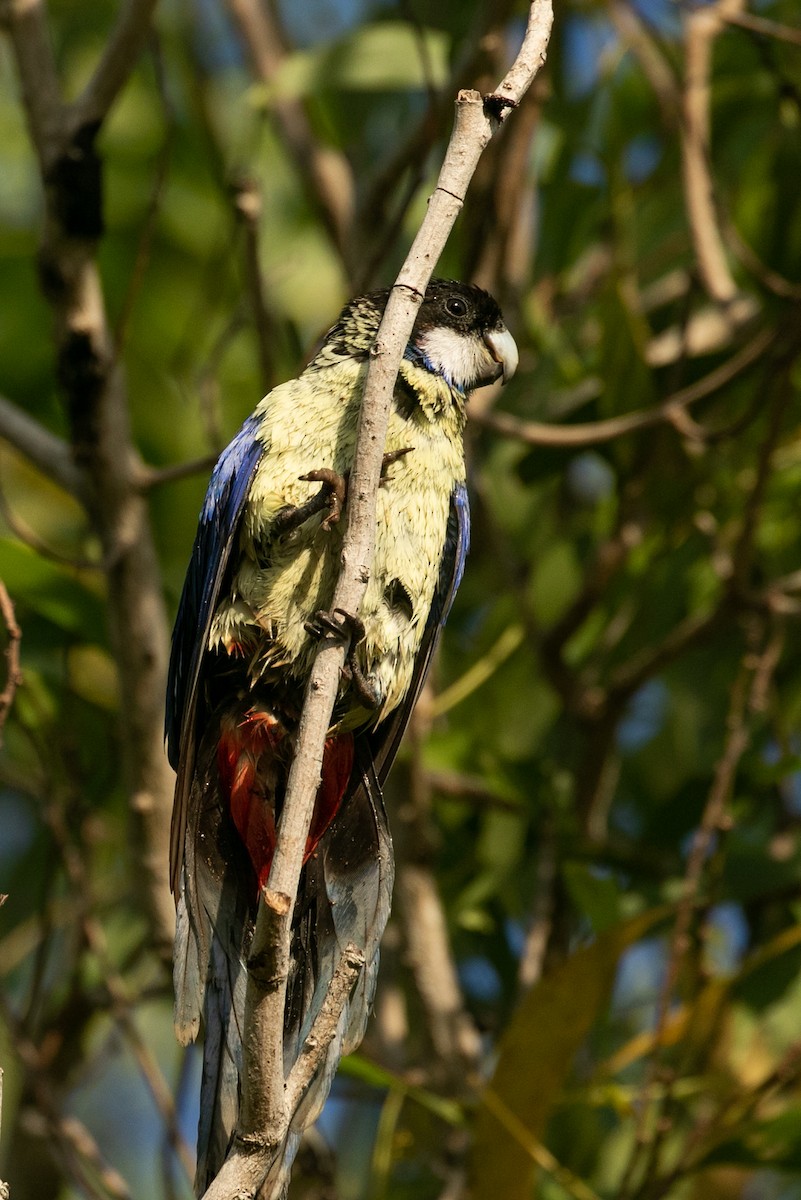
(126, 42)
(26, 23)
(325, 171)
(44, 449)
(673, 410)
(476, 122)
(701, 27)
(13, 672)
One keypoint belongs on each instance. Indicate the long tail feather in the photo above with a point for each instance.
(343, 898)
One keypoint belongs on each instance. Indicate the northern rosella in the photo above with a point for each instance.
(254, 604)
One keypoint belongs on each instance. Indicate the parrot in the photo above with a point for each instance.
(255, 604)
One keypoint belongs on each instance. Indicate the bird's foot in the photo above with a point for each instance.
(341, 625)
(288, 519)
(333, 493)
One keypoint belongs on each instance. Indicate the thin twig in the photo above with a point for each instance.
(120, 1003)
(49, 453)
(655, 65)
(23, 532)
(247, 203)
(325, 1023)
(13, 671)
(125, 43)
(701, 26)
(537, 1151)
(151, 477)
(326, 172)
(536, 433)
(763, 26)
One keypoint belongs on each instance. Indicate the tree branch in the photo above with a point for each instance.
(126, 42)
(701, 27)
(671, 411)
(474, 126)
(51, 454)
(325, 172)
(26, 22)
(13, 672)
(97, 407)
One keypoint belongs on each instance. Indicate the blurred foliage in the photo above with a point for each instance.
(606, 781)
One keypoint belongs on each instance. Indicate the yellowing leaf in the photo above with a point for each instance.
(93, 676)
(536, 1053)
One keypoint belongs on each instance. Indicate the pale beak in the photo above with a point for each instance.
(503, 348)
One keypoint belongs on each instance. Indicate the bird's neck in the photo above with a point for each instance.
(436, 399)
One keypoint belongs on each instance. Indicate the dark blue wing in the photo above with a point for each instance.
(386, 738)
(216, 536)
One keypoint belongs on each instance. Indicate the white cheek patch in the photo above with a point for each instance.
(462, 358)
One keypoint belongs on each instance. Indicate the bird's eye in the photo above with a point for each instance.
(456, 306)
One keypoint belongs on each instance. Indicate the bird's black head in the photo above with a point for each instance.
(459, 334)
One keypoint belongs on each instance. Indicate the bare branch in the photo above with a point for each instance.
(325, 1024)
(701, 27)
(13, 672)
(454, 1037)
(44, 449)
(326, 172)
(536, 433)
(26, 22)
(762, 26)
(120, 54)
(655, 66)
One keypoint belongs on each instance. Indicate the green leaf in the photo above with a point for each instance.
(379, 1077)
(596, 896)
(384, 57)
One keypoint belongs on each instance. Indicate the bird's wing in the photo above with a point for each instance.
(385, 739)
(216, 536)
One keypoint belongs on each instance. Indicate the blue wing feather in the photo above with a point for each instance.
(219, 518)
(216, 536)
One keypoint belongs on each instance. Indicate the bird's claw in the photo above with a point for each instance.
(341, 625)
(324, 622)
(333, 493)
